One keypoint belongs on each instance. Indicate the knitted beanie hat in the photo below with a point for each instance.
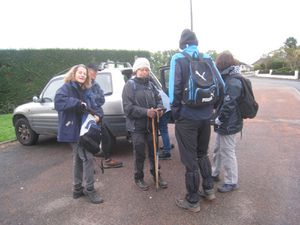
(188, 37)
(141, 63)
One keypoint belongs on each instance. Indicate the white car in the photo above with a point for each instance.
(39, 116)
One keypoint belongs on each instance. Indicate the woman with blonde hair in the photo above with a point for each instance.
(71, 101)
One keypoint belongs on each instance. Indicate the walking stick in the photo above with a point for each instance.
(155, 152)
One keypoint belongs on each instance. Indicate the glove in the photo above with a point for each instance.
(217, 121)
(83, 105)
(82, 108)
(151, 113)
(160, 112)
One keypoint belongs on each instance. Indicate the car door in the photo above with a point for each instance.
(44, 118)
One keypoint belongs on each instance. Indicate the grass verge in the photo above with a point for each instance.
(7, 131)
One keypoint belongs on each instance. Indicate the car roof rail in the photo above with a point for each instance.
(113, 64)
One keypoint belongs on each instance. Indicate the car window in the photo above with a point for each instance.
(105, 82)
(156, 82)
(50, 90)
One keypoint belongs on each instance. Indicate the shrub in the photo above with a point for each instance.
(283, 71)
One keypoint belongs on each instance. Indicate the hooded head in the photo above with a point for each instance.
(140, 63)
(188, 37)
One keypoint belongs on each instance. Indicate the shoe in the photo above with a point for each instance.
(215, 178)
(78, 192)
(161, 183)
(165, 155)
(227, 188)
(110, 163)
(184, 204)
(208, 194)
(99, 154)
(162, 147)
(93, 196)
(142, 184)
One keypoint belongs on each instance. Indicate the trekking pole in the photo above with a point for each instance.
(155, 153)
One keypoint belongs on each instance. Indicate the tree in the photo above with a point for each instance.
(160, 58)
(292, 53)
(213, 54)
(290, 43)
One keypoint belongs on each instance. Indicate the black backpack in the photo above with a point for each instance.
(201, 87)
(247, 104)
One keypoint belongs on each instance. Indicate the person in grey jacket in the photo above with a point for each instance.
(227, 124)
(142, 103)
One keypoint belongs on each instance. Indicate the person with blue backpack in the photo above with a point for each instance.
(192, 109)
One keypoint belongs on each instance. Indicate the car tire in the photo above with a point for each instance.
(107, 141)
(25, 135)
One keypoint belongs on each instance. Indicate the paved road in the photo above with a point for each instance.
(35, 182)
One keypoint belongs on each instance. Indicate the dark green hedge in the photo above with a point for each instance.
(23, 73)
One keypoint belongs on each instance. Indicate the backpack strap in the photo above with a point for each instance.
(196, 55)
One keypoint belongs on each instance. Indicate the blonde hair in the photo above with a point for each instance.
(70, 76)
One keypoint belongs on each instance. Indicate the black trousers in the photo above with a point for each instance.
(141, 142)
(193, 139)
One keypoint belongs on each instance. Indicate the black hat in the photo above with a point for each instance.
(92, 66)
(188, 37)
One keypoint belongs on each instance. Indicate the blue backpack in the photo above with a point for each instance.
(201, 88)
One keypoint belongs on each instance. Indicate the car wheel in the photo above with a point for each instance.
(107, 141)
(24, 133)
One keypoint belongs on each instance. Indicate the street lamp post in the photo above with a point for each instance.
(191, 11)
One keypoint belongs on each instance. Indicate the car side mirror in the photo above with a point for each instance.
(35, 99)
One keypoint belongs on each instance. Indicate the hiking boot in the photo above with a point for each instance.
(161, 183)
(99, 154)
(142, 184)
(78, 192)
(227, 188)
(208, 194)
(93, 196)
(216, 178)
(110, 163)
(162, 147)
(165, 155)
(184, 204)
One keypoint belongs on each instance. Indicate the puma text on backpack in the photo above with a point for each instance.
(201, 87)
(247, 104)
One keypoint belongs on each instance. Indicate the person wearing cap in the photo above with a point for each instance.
(192, 126)
(141, 104)
(100, 100)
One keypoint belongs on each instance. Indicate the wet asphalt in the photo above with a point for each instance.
(36, 181)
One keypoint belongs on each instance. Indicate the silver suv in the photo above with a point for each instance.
(39, 117)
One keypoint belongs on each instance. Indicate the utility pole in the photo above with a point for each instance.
(191, 10)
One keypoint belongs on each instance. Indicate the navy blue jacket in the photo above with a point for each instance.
(68, 104)
(179, 72)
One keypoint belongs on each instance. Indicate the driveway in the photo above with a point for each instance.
(36, 181)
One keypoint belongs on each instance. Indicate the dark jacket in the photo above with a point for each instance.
(179, 73)
(228, 112)
(138, 96)
(98, 95)
(68, 104)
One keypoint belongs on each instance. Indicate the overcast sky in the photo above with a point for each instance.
(248, 28)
